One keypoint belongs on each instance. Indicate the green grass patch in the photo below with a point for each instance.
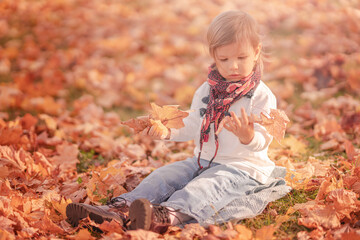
(73, 93)
(288, 229)
(17, 112)
(89, 159)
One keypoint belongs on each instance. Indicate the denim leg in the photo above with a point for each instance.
(164, 181)
(205, 195)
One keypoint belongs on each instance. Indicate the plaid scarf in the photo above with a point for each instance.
(222, 94)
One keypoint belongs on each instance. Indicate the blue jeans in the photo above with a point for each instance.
(201, 197)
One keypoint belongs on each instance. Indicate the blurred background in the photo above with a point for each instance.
(72, 70)
(121, 55)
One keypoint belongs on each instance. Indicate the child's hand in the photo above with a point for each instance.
(242, 127)
(156, 133)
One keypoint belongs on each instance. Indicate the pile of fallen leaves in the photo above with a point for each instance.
(72, 72)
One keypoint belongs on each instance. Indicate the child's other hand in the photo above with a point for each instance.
(156, 132)
(242, 127)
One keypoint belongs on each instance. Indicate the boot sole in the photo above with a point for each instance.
(140, 214)
(77, 211)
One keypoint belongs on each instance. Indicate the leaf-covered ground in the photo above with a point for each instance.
(72, 70)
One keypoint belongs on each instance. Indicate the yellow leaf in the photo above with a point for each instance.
(294, 144)
(49, 121)
(61, 206)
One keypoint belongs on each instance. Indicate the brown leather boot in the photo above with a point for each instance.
(147, 216)
(116, 209)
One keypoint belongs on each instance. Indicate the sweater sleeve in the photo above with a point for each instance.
(192, 122)
(262, 102)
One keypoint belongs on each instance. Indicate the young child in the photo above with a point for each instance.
(231, 175)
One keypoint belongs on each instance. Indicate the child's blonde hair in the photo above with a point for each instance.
(234, 26)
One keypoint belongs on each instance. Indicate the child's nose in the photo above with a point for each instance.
(234, 65)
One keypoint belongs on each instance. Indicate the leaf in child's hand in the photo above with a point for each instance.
(160, 127)
(275, 124)
(169, 115)
(138, 124)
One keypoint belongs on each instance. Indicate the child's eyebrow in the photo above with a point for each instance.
(238, 54)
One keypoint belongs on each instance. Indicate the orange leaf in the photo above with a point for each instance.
(244, 233)
(4, 172)
(350, 150)
(169, 115)
(344, 201)
(165, 117)
(192, 231)
(142, 234)
(6, 224)
(314, 214)
(83, 234)
(112, 226)
(275, 124)
(265, 233)
(67, 158)
(28, 121)
(138, 124)
(327, 186)
(10, 135)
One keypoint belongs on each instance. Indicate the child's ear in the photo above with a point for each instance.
(258, 51)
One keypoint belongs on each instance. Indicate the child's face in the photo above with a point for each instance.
(236, 61)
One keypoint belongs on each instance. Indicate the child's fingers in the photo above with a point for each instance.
(163, 134)
(152, 131)
(244, 117)
(236, 120)
(221, 125)
(158, 133)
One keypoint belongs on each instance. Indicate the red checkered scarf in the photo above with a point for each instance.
(222, 94)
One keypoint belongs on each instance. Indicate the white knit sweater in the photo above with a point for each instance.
(251, 158)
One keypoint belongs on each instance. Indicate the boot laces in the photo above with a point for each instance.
(120, 206)
(162, 214)
(117, 202)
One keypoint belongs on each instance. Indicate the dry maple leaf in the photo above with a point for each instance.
(68, 156)
(266, 232)
(138, 124)
(275, 124)
(244, 232)
(191, 231)
(169, 115)
(142, 234)
(315, 214)
(10, 135)
(343, 201)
